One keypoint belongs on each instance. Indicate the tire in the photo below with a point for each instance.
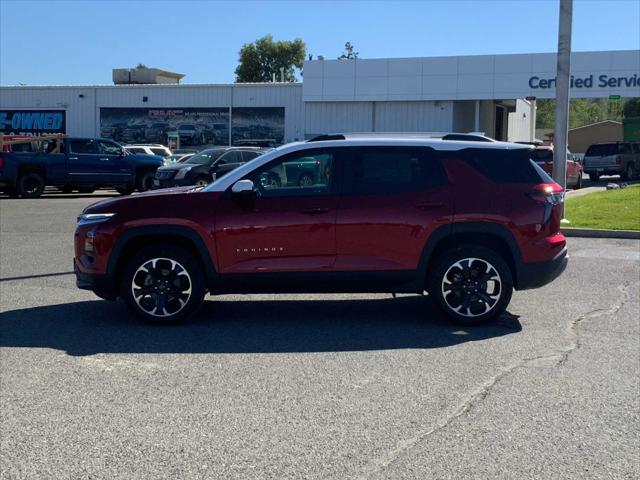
(30, 185)
(124, 190)
(628, 172)
(454, 278)
(144, 181)
(201, 182)
(162, 284)
(66, 189)
(594, 177)
(578, 184)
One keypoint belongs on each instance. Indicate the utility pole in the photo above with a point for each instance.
(563, 71)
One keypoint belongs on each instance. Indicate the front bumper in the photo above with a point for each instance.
(170, 183)
(536, 274)
(99, 283)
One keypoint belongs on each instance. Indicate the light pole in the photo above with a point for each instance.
(563, 71)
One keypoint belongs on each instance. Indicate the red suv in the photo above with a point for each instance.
(465, 221)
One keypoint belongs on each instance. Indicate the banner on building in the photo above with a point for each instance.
(32, 122)
(197, 127)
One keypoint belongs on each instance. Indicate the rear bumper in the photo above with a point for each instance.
(536, 274)
(101, 284)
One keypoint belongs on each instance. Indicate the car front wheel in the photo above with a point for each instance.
(162, 284)
(471, 285)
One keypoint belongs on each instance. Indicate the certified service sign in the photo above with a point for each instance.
(32, 122)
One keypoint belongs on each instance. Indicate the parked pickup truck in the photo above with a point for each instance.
(82, 164)
(612, 158)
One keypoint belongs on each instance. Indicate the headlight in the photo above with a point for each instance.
(91, 218)
(181, 173)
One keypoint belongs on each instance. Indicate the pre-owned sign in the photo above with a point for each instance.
(32, 122)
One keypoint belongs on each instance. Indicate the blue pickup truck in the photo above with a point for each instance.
(82, 164)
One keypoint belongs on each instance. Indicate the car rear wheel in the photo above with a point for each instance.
(31, 185)
(145, 181)
(578, 184)
(628, 173)
(162, 284)
(471, 284)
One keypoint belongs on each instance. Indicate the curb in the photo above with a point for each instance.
(591, 233)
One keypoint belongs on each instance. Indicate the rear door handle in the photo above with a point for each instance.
(429, 205)
(314, 211)
(104, 159)
(73, 158)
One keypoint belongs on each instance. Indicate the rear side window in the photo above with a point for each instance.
(502, 166)
(82, 146)
(392, 170)
(602, 150)
(136, 150)
(246, 156)
(542, 155)
(160, 151)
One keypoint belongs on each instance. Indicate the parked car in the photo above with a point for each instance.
(200, 168)
(181, 157)
(133, 133)
(543, 156)
(191, 134)
(466, 221)
(82, 164)
(612, 158)
(154, 149)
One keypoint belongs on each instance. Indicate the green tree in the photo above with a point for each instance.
(582, 111)
(348, 53)
(632, 108)
(260, 60)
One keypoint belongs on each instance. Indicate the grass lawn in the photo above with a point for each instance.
(611, 209)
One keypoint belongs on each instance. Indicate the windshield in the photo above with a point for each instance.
(244, 169)
(204, 158)
(602, 150)
(542, 154)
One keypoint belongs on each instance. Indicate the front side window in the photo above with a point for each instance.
(391, 170)
(109, 148)
(82, 146)
(305, 173)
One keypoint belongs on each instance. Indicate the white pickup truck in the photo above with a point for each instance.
(612, 158)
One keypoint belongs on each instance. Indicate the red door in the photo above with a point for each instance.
(392, 200)
(290, 223)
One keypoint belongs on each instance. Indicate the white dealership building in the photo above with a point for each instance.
(432, 94)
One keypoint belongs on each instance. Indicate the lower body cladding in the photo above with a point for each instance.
(526, 275)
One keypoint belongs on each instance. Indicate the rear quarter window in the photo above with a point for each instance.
(501, 165)
(602, 150)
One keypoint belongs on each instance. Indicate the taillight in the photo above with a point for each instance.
(548, 193)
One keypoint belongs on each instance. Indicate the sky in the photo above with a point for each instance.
(79, 42)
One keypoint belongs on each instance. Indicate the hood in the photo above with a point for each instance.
(115, 205)
(178, 166)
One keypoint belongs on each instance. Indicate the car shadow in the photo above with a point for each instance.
(250, 326)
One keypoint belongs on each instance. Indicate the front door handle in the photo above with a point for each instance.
(314, 211)
(429, 205)
(73, 158)
(104, 159)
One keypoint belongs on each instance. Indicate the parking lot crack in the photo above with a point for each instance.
(555, 358)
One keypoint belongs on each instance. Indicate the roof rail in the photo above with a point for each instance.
(467, 137)
(324, 138)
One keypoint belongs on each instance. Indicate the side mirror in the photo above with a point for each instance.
(242, 187)
(122, 153)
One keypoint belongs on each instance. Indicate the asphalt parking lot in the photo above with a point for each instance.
(303, 386)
